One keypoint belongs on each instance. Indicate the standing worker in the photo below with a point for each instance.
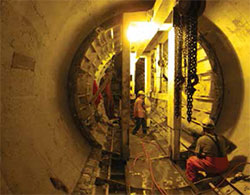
(211, 153)
(99, 97)
(140, 113)
(107, 94)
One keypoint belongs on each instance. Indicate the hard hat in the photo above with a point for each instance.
(208, 123)
(141, 92)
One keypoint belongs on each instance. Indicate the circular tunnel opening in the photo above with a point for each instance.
(94, 67)
(231, 73)
(100, 55)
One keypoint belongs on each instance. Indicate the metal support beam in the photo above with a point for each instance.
(148, 74)
(174, 122)
(125, 112)
(161, 11)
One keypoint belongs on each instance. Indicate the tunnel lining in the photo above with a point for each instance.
(84, 71)
(88, 66)
(231, 72)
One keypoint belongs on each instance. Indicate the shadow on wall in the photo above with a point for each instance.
(232, 75)
(237, 164)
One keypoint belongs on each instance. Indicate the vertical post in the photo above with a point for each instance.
(148, 84)
(148, 74)
(161, 61)
(158, 70)
(173, 121)
(132, 72)
(125, 112)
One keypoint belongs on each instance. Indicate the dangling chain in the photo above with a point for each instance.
(191, 49)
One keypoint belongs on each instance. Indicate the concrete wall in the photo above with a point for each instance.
(38, 137)
(231, 44)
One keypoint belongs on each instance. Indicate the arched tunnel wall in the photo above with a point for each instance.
(39, 139)
(230, 42)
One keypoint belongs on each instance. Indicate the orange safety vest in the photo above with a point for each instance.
(139, 110)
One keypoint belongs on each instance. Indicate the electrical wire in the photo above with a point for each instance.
(136, 159)
(152, 177)
(162, 191)
(152, 188)
(156, 145)
(140, 154)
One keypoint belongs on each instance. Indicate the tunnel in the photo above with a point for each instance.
(56, 126)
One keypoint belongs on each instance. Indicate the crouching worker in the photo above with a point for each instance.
(140, 113)
(211, 153)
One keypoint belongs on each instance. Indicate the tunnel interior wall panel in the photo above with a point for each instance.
(39, 138)
(232, 47)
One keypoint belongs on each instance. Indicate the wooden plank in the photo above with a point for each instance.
(95, 63)
(91, 54)
(204, 99)
(125, 113)
(148, 75)
(202, 60)
(160, 37)
(161, 10)
(97, 49)
(173, 121)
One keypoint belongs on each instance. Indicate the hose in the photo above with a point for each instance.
(162, 191)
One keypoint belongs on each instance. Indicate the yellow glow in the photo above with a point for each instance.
(146, 75)
(140, 31)
(165, 27)
(112, 33)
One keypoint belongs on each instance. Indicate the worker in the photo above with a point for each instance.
(140, 113)
(99, 97)
(211, 153)
(107, 94)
